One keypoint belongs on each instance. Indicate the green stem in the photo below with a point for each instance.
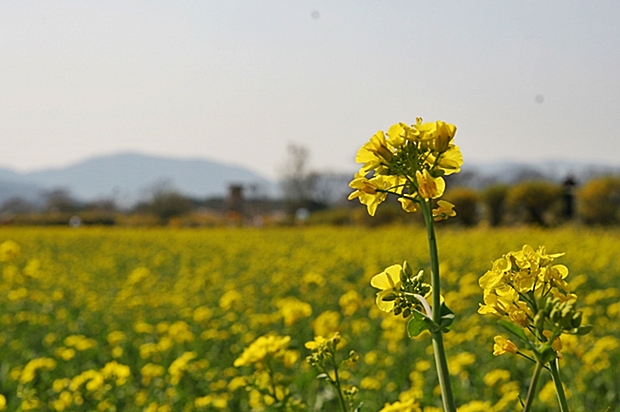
(443, 374)
(559, 388)
(531, 393)
(343, 404)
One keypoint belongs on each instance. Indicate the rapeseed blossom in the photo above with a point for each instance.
(400, 291)
(527, 287)
(293, 309)
(503, 345)
(268, 346)
(81, 274)
(9, 250)
(29, 371)
(409, 163)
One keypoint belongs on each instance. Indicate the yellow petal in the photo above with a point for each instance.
(383, 305)
(387, 279)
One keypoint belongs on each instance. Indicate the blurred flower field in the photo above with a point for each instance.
(153, 320)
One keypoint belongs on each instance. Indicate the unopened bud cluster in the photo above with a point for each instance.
(401, 292)
(406, 301)
(322, 349)
(559, 315)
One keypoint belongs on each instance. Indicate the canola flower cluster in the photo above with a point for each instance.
(409, 162)
(118, 319)
(527, 288)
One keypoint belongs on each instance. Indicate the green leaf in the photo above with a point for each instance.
(417, 324)
(322, 376)
(515, 331)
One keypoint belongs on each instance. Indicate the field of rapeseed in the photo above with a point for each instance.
(158, 320)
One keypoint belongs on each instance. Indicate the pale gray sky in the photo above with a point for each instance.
(235, 81)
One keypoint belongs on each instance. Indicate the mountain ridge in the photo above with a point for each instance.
(126, 176)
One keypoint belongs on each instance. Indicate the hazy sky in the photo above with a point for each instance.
(236, 81)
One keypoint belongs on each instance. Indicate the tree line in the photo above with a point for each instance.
(532, 202)
(310, 197)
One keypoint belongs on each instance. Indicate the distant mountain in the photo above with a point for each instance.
(13, 186)
(127, 177)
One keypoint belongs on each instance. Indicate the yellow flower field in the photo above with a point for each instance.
(154, 320)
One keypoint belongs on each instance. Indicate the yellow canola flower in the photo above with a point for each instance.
(82, 378)
(202, 314)
(496, 375)
(350, 302)
(503, 345)
(497, 276)
(263, 347)
(179, 365)
(293, 309)
(372, 192)
(401, 406)
(180, 332)
(29, 371)
(426, 131)
(116, 370)
(80, 342)
(321, 344)
(399, 133)
(9, 250)
(429, 187)
(116, 337)
(150, 371)
(475, 406)
(363, 185)
(449, 162)
(230, 299)
(316, 344)
(387, 282)
(60, 384)
(408, 205)
(445, 135)
(65, 353)
(505, 302)
(30, 404)
(443, 211)
(326, 323)
(374, 153)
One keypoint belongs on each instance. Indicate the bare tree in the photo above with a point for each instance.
(298, 183)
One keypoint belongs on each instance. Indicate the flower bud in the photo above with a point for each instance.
(407, 269)
(539, 320)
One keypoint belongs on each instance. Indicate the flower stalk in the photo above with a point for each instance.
(559, 388)
(531, 393)
(437, 336)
